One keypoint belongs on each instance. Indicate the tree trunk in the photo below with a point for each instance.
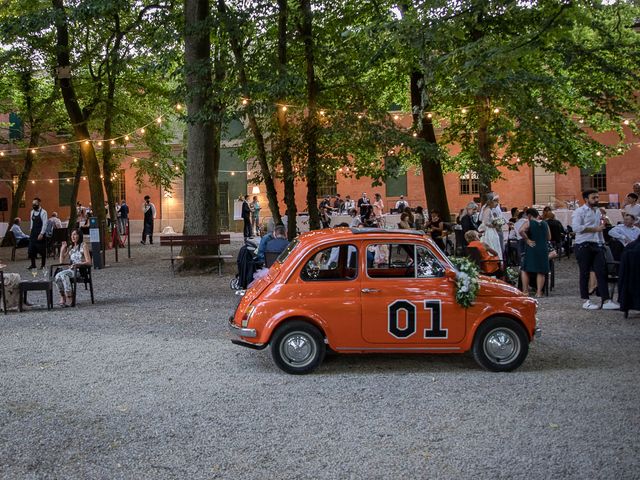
(238, 53)
(203, 137)
(73, 214)
(283, 140)
(311, 121)
(486, 166)
(432, 175)
(76, 116)
(22, 181)
(107, 154)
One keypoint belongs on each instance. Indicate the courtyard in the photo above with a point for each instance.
(146, 384)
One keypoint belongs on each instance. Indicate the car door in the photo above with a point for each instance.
(407, 299)
(327, 285)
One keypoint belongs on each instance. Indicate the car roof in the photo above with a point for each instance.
(343, 233)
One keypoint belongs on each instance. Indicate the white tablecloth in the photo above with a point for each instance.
(565, 216)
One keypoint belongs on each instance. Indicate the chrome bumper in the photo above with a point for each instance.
(241, 332)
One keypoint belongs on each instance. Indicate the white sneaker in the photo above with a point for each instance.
(588, 305)
(610, 305)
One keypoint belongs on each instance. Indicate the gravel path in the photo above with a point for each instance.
(146, 384)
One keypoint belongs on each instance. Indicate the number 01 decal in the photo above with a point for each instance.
(410, 326)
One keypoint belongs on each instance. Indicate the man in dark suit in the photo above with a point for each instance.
(246, 216)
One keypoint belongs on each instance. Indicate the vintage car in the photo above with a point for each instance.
(373, 290)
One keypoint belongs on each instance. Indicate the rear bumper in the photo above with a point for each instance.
(241, 332)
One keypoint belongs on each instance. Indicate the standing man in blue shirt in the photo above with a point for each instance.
(589, 248)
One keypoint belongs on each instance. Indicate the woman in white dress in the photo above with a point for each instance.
(490, 223)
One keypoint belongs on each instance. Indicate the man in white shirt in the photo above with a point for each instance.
(401, 204)
(627, 232)
(631, 206)
(22, 239)
(589, 248)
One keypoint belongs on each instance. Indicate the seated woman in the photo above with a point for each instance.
(79, 257)
(490, 261)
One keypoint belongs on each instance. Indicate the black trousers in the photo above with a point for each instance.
(591, 257)
(247, 227)
(37, 247)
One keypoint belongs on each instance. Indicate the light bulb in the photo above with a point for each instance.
(496, 110)
(33, 150)
(284, 108)
(322, 113)
(33, 182)
(178, 106)
(50, 181)
(113, 142)
(464, 110)
(429, 115)
(396, 117)
(126, 138)
(159, 120)
(415, 134)
(62, 147)
(626, 122)
(142, 131)
(86, 142)
(245, 101)
(100, 143)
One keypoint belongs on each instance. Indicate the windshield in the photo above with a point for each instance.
(285, 253)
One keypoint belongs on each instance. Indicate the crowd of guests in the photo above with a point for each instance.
(538, 238)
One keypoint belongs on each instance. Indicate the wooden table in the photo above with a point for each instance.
(35, 285)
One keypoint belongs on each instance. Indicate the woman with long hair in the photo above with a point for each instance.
(78, 255)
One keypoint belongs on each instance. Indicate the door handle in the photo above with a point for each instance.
(370, 290)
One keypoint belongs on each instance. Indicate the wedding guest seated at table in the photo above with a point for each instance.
(410, 217)
(490, 261)
(279, 241)
(355, 218)
(419, 218)
(631, 206)
(78, 256)
(437, 228)
(22, 239)
(556, 228)
(626, 232)
(404, 222)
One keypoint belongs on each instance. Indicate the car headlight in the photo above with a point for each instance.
(246, 316)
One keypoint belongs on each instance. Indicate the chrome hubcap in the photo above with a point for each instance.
(501, 345)
(298, 349)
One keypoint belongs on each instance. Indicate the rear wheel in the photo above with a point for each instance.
(298, 347)
(500, 345)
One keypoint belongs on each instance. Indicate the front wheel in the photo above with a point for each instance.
(500, 345)
(298, 347)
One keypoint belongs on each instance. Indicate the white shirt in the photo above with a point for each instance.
(633, 210)
(399, 204)
(584, 217)
(151, 206)
(43, 216)
(17, 232)
(517, 226)
(349, 205)
(625, 234)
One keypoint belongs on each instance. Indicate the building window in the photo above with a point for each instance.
(396, 181)
(327, 184)
(16, 127)
(65, 188)
(591, 179)
(119, 191)
(469, 184)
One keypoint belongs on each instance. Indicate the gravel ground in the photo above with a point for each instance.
(146, 384)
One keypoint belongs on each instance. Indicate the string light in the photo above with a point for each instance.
(496, 110)
(33, 150)
(99, 144)
(84, 178)
(415, 134)
(126, 138)
(63, 147)
(50, 181)
(86, 142)
(233, 173)
(33, 182)
(359, 116)
(322, 113)
(396, 117)
(159, 120)
(178, 107)
(626, 122)
(113, 142)
(581, 121)
(142, 130)
(284, 108)
(245, 101)
(598, 153)
(464, 110)
(1, 154)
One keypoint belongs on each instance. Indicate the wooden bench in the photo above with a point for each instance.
(196, 241)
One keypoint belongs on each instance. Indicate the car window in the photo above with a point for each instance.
(290, 248)
(428, 264)
(391, 260)
(339, 262)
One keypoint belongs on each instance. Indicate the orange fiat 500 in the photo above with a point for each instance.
(371, 290)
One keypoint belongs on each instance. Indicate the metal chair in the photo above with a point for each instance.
(82, 274)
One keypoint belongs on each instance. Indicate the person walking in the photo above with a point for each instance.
(536, 235)
(123, 217)
(589, 249)
(246, 216)
(37, 242)
(149, 210)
